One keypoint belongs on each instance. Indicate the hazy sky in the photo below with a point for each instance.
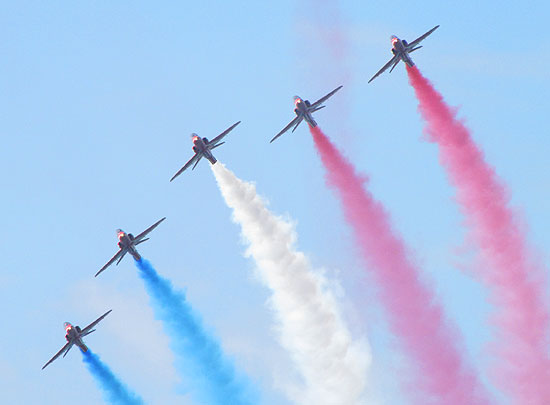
(98, 101)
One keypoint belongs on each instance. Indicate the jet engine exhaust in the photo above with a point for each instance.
(114, 391)
(199, 356)
(334, 366)
(514, 276)
(414, 315)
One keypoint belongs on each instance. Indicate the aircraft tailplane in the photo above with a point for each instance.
(67, 351)
(415, 49)
(141, 241)
(87, 333)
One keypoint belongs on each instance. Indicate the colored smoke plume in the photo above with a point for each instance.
(199, 356)
(334, 366)
(513, 275)
(114, 391)
(414, 315)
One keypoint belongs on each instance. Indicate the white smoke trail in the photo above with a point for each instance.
(334, 366)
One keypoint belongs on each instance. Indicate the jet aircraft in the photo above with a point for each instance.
(303, 110)
(202, 148)
(74, 336)
(127, 244)
(401, 49)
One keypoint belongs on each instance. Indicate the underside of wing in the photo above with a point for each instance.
(421, 38)
(115, 257)
(385, 67)
(145, 232)
(94, 323)
(217, 139)
(59, 353)
(295, 121)
(325, 98)
(189, 163)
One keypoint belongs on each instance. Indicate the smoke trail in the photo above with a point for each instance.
(414, 315)
(334, 367)
(513, 275)
(198, 354)
(115, 392)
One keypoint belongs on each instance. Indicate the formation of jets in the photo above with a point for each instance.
(202, 147)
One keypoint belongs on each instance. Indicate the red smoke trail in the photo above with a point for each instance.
(514, 277)
(414, 315)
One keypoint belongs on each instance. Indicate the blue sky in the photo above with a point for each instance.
(98, 104)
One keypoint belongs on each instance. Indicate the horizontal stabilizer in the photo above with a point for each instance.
(318, 108)
(415, 49)
(197, 162)
(394, 65)
(141, 241)
(214, 147)
(64, 354)
(87, 333)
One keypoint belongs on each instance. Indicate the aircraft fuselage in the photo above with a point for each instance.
(303, 108)
(126, 241)
(74, 336)
(400, 48)
(200, 145)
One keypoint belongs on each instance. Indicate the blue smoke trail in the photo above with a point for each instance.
(198, 355)
(114, 391)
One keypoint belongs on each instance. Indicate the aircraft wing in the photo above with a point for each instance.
(94, 323)
(325, 98)
(421, 38)
(118, 255)
(145, 232)
(385, 67)
(189, 163)
(295, 121)
(59, 353)
(217, 139)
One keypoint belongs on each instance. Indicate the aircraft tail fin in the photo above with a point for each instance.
(415, 49)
